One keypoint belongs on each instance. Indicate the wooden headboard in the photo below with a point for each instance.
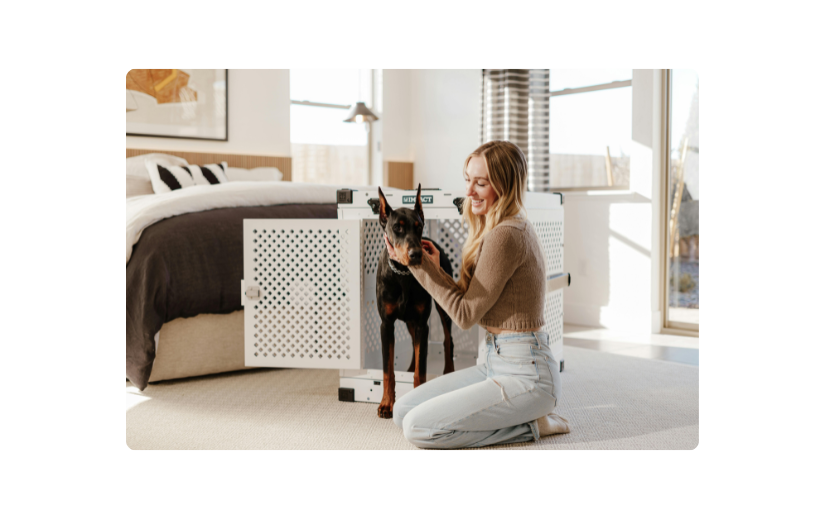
(284, 164)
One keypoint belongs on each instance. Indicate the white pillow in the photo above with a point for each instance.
(137, 165)
(166, 178)
(137, 186)
(237, 174)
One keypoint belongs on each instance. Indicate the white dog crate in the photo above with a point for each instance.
(309, 290)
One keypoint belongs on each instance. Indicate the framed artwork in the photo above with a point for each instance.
(178, 103)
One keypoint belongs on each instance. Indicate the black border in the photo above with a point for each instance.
(226, 124)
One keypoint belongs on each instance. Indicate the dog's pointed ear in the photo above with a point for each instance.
(418, 208)
(384, 209)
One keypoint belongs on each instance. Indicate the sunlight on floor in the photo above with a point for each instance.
(673, 348)
(584, 332)
(134, 396)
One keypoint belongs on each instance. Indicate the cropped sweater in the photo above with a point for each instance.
(507, 287)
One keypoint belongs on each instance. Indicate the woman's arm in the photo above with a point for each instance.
(501, 254)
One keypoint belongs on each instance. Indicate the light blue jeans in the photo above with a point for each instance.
(495, 402)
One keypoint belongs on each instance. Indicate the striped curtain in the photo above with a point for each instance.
(515, 107)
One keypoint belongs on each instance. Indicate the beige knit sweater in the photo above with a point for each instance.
(507, 288)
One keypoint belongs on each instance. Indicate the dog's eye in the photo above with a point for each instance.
(396, 228)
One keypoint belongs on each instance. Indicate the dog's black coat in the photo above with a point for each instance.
(401, 297)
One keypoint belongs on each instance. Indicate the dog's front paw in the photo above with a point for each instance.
(385, 408)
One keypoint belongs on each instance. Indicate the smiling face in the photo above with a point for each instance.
(478, 187)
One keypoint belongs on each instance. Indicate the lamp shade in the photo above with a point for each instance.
(359, 113)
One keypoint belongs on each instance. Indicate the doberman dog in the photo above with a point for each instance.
(401, 297)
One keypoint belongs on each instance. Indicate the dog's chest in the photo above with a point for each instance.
(404, 297)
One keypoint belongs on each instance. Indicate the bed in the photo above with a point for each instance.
(184, 261)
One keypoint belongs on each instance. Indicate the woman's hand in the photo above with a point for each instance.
(390, 249)
(431, 252)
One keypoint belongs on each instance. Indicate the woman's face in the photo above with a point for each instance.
(479, 190)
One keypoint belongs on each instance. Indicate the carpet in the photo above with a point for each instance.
(611, 401)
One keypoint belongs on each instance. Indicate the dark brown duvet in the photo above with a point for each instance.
(188, 265)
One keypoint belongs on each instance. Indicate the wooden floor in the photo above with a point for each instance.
(673, 348)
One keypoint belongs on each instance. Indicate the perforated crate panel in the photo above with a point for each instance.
(308, 314)
(549, 226)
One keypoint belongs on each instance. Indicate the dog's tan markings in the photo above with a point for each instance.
(388, 398)
(401, 223)
(418, 378)
(389, 308)
(420, 308)
(403, 254)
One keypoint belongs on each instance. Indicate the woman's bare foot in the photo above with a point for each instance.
(552, 424)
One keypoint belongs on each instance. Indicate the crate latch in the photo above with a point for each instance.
(253, 293)
(374, 204)
(558, 281)
(458, 203)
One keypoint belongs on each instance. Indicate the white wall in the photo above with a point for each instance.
(258, 118)
(396, 145)
(612, 245)
(445, 118)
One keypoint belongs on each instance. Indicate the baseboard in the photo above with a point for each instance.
(677, 331)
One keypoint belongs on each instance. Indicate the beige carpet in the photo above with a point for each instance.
(611, 402)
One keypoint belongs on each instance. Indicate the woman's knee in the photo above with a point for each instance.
(399, 411)
(419, 431)
(425, 437)
(398, 417)
(415, 434)
(402, 406)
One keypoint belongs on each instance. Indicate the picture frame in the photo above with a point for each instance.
(178, 103)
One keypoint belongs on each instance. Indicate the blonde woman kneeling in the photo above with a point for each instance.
(511, 397)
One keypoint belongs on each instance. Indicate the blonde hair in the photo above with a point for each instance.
(507, 169)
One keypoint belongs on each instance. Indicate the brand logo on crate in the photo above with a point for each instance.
(425, 199)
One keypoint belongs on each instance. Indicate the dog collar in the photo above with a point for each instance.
(400, 273)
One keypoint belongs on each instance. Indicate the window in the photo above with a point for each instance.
(682, 223)
(590, 128)
(325, 149)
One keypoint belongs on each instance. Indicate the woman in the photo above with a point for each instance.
(501, 287)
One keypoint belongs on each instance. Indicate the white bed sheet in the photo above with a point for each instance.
(143, 211)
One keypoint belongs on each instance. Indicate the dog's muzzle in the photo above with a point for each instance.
(415, 256)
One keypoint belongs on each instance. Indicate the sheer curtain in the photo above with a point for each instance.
(515, 107)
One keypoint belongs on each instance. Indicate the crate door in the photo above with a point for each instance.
(549, 226)
(301, 293)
